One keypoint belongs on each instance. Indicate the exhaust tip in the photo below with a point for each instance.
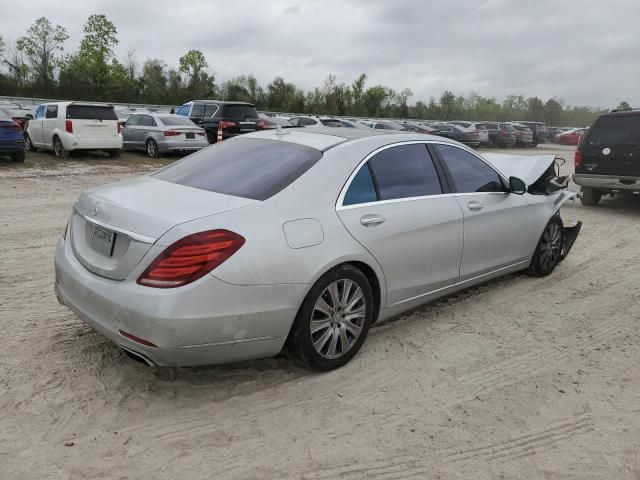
(138, 357)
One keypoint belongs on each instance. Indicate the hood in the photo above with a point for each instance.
(526, 168)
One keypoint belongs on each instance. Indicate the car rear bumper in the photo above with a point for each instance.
(70, 142)
(183, 145)
(608, 182)
(204, 323)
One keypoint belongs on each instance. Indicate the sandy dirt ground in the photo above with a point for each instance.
(520, 378)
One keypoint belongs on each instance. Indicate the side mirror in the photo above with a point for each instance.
(517, 186)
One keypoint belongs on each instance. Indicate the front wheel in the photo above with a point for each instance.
(28, 144)
(549, 249)
(333, 321)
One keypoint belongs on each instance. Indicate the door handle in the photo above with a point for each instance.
(475, 205)
(371, 220)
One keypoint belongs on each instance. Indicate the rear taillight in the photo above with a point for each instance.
(190, 258)
(171, 133)
(577, 159)
(120, 126)
(11, 126)
(225, 124)
(68, 126)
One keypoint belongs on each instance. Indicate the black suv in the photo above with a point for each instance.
(608, 157)
(234, 118)
(501, 134)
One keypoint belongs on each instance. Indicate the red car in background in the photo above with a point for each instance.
(571, 137)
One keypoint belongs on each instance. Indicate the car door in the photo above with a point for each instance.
(35, 126)
(49, 124)
(395, 207)
(197, 112)
(497, 229)
(146, 128)
(130, 137)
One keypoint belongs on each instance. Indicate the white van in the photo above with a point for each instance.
(68, 126)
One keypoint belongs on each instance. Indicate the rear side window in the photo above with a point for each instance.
(171, 121)
(615, 130)
(210, 110)
(331, 123)
(243, 167)
(240, 112)
(468, 172)
(91, 112)
(147, 121)
(404, 171)
(361, 189)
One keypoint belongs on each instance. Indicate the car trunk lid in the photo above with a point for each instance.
(243, 118)
(114, 226)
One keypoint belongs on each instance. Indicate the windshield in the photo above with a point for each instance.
(243, 167)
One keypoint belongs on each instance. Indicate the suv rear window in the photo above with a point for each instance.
(243, 167)
(91, 112)
(240, 112)
(615, 130)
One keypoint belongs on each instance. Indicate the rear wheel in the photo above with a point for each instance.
(590, 196)
(333, 321)
(58, 148)
(115, 153)
(18, 157)
(152, 148)
(549, 249)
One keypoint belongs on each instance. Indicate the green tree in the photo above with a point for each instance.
(623, 106)
(42, 46)
(194, 66)
(536, 109)
(552, 113)
(153, 82)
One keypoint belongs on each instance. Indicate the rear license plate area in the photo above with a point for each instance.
(102, 240)
(190, 135)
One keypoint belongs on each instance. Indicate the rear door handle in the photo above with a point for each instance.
(371, 220)
(475, 205)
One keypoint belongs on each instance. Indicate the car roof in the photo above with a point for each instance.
(324, 138)
(221, 102)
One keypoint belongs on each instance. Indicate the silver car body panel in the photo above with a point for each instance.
(426, 247)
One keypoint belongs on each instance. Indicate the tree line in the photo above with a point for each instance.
(36, 65)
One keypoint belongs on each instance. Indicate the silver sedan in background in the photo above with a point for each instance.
(158, 133)
(301, 238)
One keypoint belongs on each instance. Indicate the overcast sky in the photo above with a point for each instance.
(584, 51)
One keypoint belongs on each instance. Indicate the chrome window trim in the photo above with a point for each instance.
(132, 235)
(343, 192)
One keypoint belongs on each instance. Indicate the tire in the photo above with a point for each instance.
(58, 149)
(115, 153)
(18, 157)
(549, 249)
(152, 148)
(28, 145)
(324, 349)
(590, 196)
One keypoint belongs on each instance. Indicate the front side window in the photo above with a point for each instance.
(133, 121)
(183, 110)
(404, 171)
(52, 111)
(468, 172)
(40, 111)
(197, 110)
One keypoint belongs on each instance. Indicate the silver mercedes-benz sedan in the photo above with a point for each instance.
(300, 240)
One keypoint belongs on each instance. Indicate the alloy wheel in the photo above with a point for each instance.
(551, 246)
(57, 148)
(338, 318)
(151, 148)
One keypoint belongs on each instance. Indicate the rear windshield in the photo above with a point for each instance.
(91, 112)
(332, 123)
(243, 167)
(172, 121)
(615, 130)
(240, 112)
